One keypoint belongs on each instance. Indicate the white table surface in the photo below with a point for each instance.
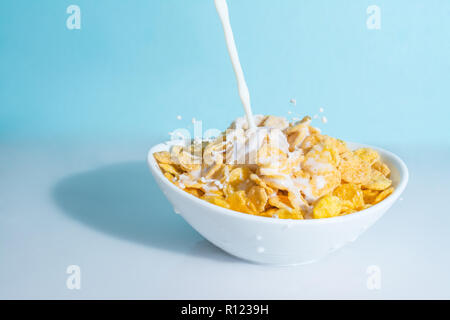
(96, 205)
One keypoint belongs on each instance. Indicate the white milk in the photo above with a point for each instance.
(222, 10)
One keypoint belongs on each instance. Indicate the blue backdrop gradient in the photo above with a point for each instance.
(135, 65)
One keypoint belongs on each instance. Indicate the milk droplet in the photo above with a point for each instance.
(293, 101)
(176, 211)
(258, 237)
(179, 117)
(324, 119)
(320, 109)
(260, 249)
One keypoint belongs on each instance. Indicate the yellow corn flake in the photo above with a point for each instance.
(327, 207)
(215, 193)
(280, 201)
(298, 133)
(335, 148)
(193, 184)
(195, 192)
(298, 126)
(261, 183)
(169, 176)
(163, 157)
(228, 190)
(354, 170)
(277, 183)
(238, 175)
(325, 183)
(310, 141)
(169, 169)
(239, 179)
(216, 172)
(382, 167)
(212, 170)
(377, 181)
(258, 198)
(296, 138)
(238, 201)
(272, 152)
(217, 200)
(296, 200)
(213, 152)
(188, 162)
(270, 213)
(370, 196)
(352, 193)
(174, 152)
(336, 144)
(367, 155)
(347, 211)
(275, 122)
(347, 206)
(384, 194)
(321, 159)
(288, 214)
(332, 155)
(276, 169)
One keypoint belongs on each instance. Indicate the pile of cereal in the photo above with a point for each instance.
(279, 170)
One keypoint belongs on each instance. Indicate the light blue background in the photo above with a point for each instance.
(135, 65)
(79, 110)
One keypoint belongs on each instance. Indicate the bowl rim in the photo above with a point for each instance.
(397, 162)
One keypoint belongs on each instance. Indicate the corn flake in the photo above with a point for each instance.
(238, 201)
(354, 170)
(288, 214)
(384, 194)
(258, 198)
(327, 207)
(367, 155)
(217, 200)
(377, 181)
(280, 201)
(169, 169)
(382, 167)
(351, 194)
(370, 196)
(163, 157)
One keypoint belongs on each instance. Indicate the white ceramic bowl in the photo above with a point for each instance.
(277, 241)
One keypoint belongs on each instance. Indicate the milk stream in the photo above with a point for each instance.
(222, 10)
